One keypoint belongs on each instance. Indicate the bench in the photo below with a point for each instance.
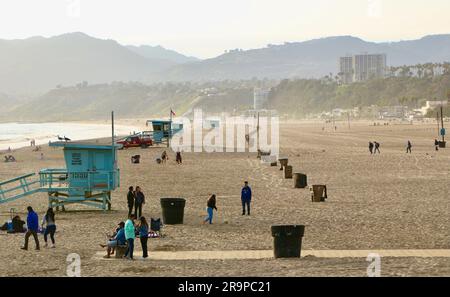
(120, 251)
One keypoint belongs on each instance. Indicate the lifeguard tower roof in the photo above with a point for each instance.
(84, 145)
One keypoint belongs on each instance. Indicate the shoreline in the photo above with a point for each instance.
(75, 130)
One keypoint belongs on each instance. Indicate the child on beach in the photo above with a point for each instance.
(211, 205)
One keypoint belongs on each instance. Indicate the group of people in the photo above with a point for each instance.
(126, 234)
(165, 157)
(374, 147)
(246, 198)
(48, 226)
(135, 199)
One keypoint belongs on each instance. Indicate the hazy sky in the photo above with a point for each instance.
(205, 28)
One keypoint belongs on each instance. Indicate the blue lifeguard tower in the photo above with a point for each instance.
(91, 174)
(163, 130)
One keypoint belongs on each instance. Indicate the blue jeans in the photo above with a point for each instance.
(130, 248)
(246, 203)
(50, 230)
(210, 215)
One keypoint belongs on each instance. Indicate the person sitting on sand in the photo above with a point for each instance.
(118, 239)
(15, 226)
(10, 158)
(210, 206)
(436, 144)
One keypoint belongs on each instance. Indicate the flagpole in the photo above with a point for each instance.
(170, 128)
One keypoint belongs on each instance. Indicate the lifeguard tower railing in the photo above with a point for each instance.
(18, 187)
(60, 179)
(61, 187)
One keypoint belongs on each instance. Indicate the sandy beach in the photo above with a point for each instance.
(391, 200)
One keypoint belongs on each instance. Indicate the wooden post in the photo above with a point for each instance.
(437, 120)
(442, 121)
(257, 133)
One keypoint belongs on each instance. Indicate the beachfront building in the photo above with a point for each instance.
(362, 67)
(346, 69)
(433, 105)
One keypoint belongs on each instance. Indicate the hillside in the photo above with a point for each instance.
(309, 59)
(291, 97)
(36, 65)
(159, 52)
(39, 64)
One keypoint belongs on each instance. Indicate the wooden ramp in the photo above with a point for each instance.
(268, 254)
(18, 187)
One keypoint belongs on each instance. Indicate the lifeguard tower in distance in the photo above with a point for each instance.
(163, 130)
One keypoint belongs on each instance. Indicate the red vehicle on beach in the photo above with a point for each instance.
(143, 140)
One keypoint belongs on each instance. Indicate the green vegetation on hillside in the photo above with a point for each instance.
(296, 98)
(301, 97)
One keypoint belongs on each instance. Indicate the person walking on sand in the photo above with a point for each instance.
(33, 227)
(143, 235)
(164, 157)
(371, 147)
(129, 236)
(130, 200)
(178, 158)
(409, 147)
(50, 226)
(246, 198)
(210, 206)
(377, 148)
(139, 200)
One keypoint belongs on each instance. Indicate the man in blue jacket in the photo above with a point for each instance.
(246, 198)
(33, 228)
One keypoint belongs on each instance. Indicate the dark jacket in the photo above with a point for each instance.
(130, 198)
(212, 203)
(246, 193)
(140, 198)
(33, 221)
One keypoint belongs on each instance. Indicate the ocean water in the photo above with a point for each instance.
(17, 135)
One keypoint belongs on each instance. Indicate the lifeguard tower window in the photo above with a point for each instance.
(76, 159)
